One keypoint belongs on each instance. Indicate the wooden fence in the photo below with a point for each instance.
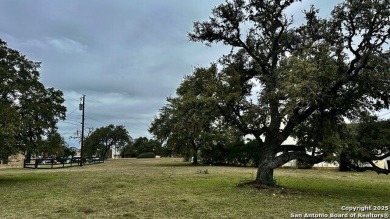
(52, 163)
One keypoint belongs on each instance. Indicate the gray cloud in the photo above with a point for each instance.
(126, 56)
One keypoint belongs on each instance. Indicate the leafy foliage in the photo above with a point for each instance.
(236, 153)
(146, 155)
(187, 122)
(100, 141)
(143, 145)
(279, 75)
(55, 145)
(369, 141)
(28, 110)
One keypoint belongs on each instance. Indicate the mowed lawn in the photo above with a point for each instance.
(170, 188)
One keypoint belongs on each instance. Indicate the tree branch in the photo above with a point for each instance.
(288, 156)
(372, 168)
(291, 147)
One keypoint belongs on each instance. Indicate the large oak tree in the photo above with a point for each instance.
(335, 66)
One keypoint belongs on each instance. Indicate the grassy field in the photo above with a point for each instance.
(169, 188)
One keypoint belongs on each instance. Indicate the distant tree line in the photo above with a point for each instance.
(142, 145)
(103, 140)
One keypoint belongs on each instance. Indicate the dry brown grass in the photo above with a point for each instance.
(169, 188)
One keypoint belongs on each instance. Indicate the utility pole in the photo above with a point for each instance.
(82, 108)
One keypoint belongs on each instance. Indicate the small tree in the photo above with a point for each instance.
(128, 150)
(186, 123)
(53, 145)
(143, 145)
(100, 141)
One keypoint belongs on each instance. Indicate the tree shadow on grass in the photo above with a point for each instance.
(182, 164)
(352, 191)
(277, 189)
(178, 164)
(349, 190)
(11, 180)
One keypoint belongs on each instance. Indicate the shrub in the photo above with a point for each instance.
(236, 153)
(147, 155)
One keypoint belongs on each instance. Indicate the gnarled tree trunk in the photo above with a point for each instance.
(265, 170)
(344, 162)
(265, 173)
(269, 160)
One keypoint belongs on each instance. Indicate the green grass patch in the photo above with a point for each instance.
(169, 188)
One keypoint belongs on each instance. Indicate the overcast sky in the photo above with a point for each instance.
(126, 56)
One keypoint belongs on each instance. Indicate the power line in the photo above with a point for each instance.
(384, 114)
(72, 98)
(95, 120)
(71, 130)
(72, 112)
(71, 122)
(93, 100)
